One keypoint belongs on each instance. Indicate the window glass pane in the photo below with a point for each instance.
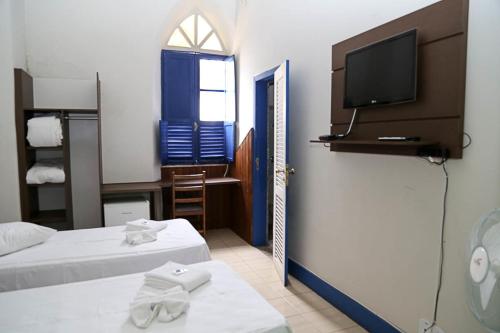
(212, 106)
(212, 74)
(177, 39)
(212, 43)
(188, 26)
(203, 28)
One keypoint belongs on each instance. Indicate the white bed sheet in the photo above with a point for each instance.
(80, 255)
(225, 304)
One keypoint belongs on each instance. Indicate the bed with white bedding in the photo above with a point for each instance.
(78, 255)
(225, 304)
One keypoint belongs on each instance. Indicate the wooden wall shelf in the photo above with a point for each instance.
(378, 143)
(72, 111)
(412, 148)
(47, 185)
(48, 216)
(44, 148)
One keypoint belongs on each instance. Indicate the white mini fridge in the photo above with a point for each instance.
(122, 211)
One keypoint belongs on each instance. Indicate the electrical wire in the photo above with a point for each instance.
(441, 254)
(470, 140)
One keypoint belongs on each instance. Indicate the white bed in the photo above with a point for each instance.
(225, 304)
(78, 255)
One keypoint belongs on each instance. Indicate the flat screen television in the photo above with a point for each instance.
(384, 72)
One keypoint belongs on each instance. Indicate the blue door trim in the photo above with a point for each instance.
(259, 184)
(357, 312)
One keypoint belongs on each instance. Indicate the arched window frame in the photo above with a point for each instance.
(197, 46)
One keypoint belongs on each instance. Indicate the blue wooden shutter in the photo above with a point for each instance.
(179, 107)
(163, 142)
(212, 141)
(229, 136)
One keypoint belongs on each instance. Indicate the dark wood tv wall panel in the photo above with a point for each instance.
(438, 113)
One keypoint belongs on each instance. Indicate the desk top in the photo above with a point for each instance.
(208, 181)
(130, 187)
(158, 185)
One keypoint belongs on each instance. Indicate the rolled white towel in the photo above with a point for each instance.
(151, 303)
(140, 236)
(46, 171)
(173, 274)
(44, 132)
(143, 224)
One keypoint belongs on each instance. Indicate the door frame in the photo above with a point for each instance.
(259, 169)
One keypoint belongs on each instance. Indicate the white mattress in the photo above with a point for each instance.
(225, 304)
(79, 255)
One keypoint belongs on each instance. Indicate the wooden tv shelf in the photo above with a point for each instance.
(429, 148)
(378, 143)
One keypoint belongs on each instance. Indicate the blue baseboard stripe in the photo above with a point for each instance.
(357, 312)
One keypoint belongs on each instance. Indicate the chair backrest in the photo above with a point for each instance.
(188, 197)
(188, 183)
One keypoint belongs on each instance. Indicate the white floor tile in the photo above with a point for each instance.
(304, 309)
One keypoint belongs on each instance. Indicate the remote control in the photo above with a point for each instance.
(399, 138)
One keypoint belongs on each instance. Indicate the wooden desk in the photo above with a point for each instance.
(156, 190)
(153, 188)
(131, 188)
(208, 181)
(220, 201)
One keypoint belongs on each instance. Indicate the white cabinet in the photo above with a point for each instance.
(120, 212)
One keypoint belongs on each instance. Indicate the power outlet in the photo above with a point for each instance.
(423, 327)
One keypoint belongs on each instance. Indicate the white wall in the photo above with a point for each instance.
(122, 41)
(369, 224)
(12, 55)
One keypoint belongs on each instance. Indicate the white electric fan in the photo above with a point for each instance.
(483, 276)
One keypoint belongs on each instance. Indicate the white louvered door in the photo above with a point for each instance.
(280, 257)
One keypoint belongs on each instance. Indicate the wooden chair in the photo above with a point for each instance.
(188, 198)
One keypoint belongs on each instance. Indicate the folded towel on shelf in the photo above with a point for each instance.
(150, 303)
(173, 274)
(44, 132)
(140, 236)
(46, 171)
(143, 224)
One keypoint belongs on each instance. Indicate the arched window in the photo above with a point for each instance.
(195, 33)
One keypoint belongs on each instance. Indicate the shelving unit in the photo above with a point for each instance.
(61, 219)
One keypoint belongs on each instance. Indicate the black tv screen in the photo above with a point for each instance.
(382, 73)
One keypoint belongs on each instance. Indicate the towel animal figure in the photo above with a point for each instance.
(143, 231)
(143, 224)
(150, 303)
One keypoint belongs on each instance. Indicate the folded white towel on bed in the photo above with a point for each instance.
(173, 274)
(44, 132)
(143, 231)
(150, 303)
(140, 236)
(143, 224)
(46, 171)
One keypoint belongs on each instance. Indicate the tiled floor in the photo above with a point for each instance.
(305, 311)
